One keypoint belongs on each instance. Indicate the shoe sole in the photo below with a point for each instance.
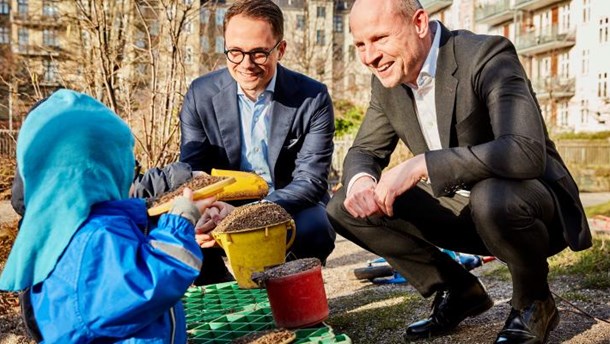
(469, 314)
(552, 325)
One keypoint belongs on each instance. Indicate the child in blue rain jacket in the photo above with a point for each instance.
(91, 268)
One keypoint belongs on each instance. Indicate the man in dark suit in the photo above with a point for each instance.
(485, 177)
(256, 115)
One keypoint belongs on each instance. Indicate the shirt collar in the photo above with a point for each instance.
(270, 86)
(429, 67)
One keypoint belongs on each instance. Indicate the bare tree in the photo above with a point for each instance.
(138, 56)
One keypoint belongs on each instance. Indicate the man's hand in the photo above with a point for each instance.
(360, 201)
(210, 218)
(398, 180)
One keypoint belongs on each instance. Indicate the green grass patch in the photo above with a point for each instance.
(497, 270)
(592, 264)
(600, 209)
(576, 296)
(582, 136)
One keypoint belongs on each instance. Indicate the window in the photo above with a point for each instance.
(188, 27)
(4, 35)
(338, 23)
(563, 114)
(603, 30)
(320, 39)
(352, 53)
(50, 71)
(86, 37)
(602, 85)
(205, 44)
(584, 111)
(220, 45)
(4, 8)
(154, 28)
(564, 65)
(337, 52)
(49, 8)
(300, 22)
(564, 18)
(188, 55)
(22, 6)
(586, 11)
(220, 16)
(585, 62)
(204, 15)
(49, 38)
(140, 40)
(321, 12)
(24, 38)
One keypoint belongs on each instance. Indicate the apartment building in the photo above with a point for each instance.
(561, 43)
(33, 46)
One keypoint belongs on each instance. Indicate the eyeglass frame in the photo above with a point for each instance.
(250, 53)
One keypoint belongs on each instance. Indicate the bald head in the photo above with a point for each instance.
(406, 7)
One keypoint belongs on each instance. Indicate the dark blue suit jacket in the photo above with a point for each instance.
(300, 142)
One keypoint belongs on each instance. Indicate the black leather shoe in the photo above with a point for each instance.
(531, 325)
(449, 309)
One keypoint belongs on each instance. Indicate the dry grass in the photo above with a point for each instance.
(7, 172)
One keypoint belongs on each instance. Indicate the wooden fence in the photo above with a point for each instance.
(585, 152)
(585, 159)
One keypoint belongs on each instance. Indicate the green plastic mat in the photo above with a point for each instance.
(220, 313)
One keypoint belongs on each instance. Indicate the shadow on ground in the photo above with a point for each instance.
(379, 313)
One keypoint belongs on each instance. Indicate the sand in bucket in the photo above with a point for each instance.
(254, 237)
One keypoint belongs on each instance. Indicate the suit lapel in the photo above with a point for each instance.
(227, 116)
(446, 86)
(408, 124)
(282, 115)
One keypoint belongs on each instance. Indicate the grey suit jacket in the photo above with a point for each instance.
(300, 142)
(489, 123)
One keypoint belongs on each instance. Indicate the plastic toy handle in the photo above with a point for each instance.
(293, 228)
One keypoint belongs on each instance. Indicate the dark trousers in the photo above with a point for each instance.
(515, 221)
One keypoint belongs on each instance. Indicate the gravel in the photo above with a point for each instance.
(386, 309)
(347, 296)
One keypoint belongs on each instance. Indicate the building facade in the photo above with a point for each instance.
(47, 44)
(561, 43)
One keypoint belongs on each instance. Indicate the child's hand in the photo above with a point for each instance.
(201, 204)
(189, 209)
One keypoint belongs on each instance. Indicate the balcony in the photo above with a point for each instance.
(25, 19)
(36, 50)
(532, 43)
(554, 87)
(532, 5)
(494, 13)
(433, 6)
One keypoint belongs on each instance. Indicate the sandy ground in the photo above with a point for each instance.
(350, 297)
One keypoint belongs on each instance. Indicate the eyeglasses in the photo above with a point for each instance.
(257, 56)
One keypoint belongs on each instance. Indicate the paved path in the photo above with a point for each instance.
(594, 198)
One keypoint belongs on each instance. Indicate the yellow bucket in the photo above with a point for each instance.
(252, 249)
